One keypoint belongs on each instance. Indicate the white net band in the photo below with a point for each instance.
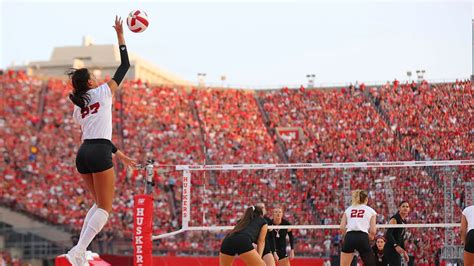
(306, 227)
(322, 165)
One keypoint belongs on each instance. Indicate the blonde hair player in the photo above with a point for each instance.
(280, 239)
(357, 227)
(467, 234)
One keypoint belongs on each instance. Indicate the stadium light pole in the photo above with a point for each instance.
(311, 78)
(223, 79)
(409, 73)
(201, 77)
(420, 74)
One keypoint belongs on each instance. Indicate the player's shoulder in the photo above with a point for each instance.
(468, 209)
(349, 208)
(285, 222)
(103, 90)
(370, 209)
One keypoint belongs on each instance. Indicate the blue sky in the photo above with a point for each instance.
(259, 44)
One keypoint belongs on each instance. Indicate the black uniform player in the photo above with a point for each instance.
(280, 238)
(252, 228)
(395, 247)
(267, 255)
(378, 251)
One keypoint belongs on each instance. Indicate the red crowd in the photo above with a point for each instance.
(394, 122)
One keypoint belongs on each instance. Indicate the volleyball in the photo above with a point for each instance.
(137, 21)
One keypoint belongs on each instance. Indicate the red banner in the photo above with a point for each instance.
(142, 224)
(208, 261)
(290, 134)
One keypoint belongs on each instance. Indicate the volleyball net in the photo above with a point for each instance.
(207, 200)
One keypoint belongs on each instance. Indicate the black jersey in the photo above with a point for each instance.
(280, 236)
(396, 236)
(253, 228)
(269, 241)
(380, 259)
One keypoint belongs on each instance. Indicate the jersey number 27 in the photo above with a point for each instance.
(92, 109)
(357, 213)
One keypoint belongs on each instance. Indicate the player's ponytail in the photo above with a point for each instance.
(80, 82)
(249, 214)
(359, 196)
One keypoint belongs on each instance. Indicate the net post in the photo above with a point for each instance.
(143, 221)
(149, 177)
(186, 202)
(142, 230)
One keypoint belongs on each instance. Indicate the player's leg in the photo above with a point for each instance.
(104, 184)
(284, 262)
(346, 258)
(90, 187)
(268, 259)
(225, 260)
(252, 258)
(365, 251)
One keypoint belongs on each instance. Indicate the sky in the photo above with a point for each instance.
(258, 44)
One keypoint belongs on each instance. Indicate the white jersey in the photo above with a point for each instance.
(358, 218)
(469, 213)
(96, 118)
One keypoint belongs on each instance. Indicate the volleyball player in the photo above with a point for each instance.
(268, 256)
(357, 226)
(93, 112)
(395, 247)
(378, 251)
(251, 228)
(467, 234)
(280, 238)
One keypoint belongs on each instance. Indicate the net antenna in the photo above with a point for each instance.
(186, 189)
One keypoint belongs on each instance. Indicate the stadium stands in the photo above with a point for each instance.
(174, 126)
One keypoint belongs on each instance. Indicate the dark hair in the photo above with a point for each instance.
(249, 214)
(80, 82)
(401, 203)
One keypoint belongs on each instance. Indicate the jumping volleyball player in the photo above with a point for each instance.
(93, 111)
(251, 228)
(467, 234)
(268, 256)
(280, 238)
(395, 246)
(358, 225)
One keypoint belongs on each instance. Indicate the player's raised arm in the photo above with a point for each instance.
(124, 61)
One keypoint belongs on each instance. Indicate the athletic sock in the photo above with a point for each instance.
(95, 224)
(87, 219)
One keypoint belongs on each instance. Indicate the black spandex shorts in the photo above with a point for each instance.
(236, 244)
(281, 253)
(94, 155)
(469, 243)
(266, 249)
(356, 240)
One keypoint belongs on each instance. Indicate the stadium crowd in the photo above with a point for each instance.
(393, 122)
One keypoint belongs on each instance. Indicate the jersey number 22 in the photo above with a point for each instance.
(357, 213)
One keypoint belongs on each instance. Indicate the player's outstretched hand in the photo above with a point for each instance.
(118, 25)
